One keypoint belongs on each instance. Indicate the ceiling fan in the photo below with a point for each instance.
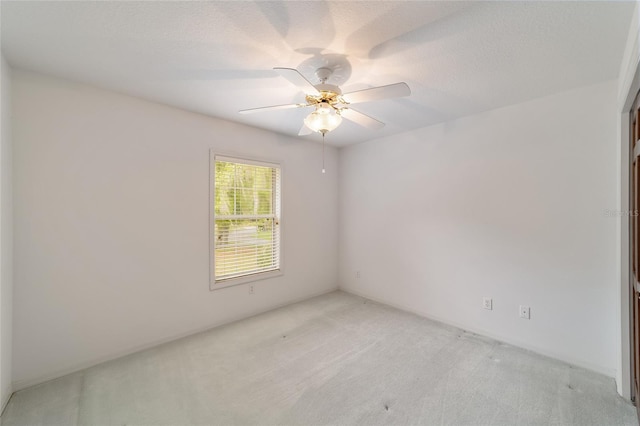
(330, 104)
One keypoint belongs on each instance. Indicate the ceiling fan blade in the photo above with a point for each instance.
(304, 131)
(298, 79)
(362, 119)
(396, 90)
(271, 108)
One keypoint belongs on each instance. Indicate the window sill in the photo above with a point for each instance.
(231, 282)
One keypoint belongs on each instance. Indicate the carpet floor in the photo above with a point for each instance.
(333, 359)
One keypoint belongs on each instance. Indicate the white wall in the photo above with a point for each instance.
(507, 204)
(628, 86)
(630, 58)
(111, 224)
(6, 234)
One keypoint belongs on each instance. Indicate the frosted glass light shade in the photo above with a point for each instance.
(324, 119)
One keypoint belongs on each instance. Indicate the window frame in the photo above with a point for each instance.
(258, 276)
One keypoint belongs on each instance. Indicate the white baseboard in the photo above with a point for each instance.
(23, 384)
(486, 333)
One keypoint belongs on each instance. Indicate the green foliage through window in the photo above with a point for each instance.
(246, 219)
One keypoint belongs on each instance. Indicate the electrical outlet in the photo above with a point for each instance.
(525, 312)
(251, 290)
(358, 274)
(487, 303)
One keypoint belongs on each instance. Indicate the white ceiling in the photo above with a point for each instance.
(216, 58)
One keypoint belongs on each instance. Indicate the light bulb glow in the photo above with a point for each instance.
(323, 119)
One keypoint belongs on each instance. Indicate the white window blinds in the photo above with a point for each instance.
(246, 218)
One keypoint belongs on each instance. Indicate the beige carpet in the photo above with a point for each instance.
(334, 359)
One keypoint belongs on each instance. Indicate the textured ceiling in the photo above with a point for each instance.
(216, 58)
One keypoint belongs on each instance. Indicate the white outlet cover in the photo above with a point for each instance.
(525, 312)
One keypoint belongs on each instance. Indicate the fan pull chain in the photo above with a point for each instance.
(323, 152)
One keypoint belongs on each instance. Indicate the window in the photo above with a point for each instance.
(246, 220)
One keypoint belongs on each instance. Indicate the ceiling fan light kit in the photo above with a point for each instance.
(324, 119)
